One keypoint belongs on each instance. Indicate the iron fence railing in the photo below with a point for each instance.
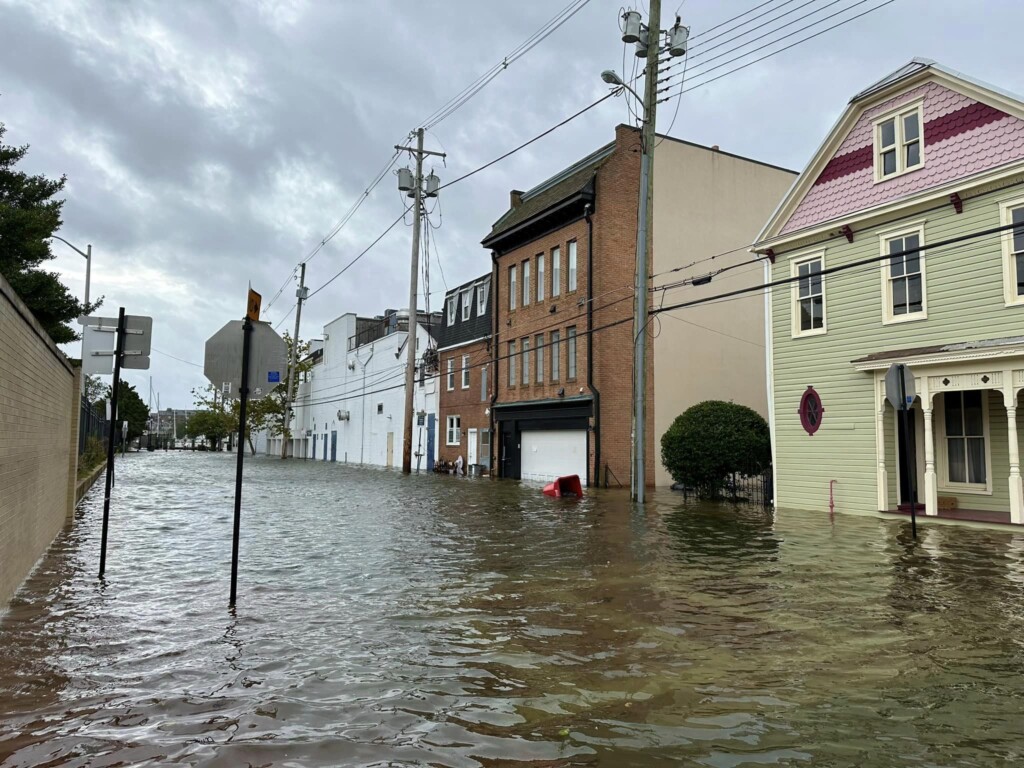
(92, 423)
(747, 489)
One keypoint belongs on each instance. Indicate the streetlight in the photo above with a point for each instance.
(611, 77)
(87, 255)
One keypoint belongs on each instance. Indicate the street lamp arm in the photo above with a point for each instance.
(635, 94)
(81, 253)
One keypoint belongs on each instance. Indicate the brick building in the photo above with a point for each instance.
(563, 286)
(464, 353)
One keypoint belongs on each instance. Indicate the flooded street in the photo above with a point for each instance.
(437, 621)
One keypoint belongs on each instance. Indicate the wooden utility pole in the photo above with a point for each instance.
(292, 362)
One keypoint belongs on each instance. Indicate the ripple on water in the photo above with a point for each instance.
(392, 621)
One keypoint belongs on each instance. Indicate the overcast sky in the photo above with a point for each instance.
(211, 143)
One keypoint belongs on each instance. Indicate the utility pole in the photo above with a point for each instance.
(643, 238)
(410, 366)
(300, 296)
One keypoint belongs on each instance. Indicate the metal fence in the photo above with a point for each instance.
(92, 423)
(744, 489)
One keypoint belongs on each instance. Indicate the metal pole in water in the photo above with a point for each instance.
(243, 402)
(911, 466)
(118, 352)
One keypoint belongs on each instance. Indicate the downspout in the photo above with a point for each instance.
(590, 342)
(495, 452)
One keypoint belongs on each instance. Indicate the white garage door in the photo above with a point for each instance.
(547, 454)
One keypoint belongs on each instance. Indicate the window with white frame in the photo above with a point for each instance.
(451, 374)
(511, 363)
(465, 371)
(540, 277)
(903, 276)
(555, 354)
(556, 271)
(482, 291)
(526, 361)
(964, 442)
(570, 368)
(808, 295)
(572, 266)
(538, 346)
(899, 145)
(467, 302)
(451, 310)
(526, 282)
(1013, 251)
(512, 290)
(454, 430)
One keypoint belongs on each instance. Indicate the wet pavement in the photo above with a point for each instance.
(440, 621)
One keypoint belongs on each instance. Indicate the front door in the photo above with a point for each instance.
(907, 462)
(471, 447)
(391, 449)
(334, 445)
(314, 446)
(431, 427)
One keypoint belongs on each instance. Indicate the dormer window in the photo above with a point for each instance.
(898, 142)
(482, 290)
(451, 310)
(466, 299)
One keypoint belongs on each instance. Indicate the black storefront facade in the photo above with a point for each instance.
(538, 416)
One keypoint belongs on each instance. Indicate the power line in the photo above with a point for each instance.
(727, 21)
(180, 360)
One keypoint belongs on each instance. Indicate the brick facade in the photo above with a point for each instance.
(600, 202)
(39, 406)
(469, 403)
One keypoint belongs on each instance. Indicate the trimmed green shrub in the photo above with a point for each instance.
(712, 440)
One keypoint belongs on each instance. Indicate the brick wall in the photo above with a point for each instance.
(38, 441)
(614, 248)
(467, 404)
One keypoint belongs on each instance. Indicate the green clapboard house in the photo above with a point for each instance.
(887, 247)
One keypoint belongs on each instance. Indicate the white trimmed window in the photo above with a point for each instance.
(904, 295)
(451, 311)
(526, 282)
(511, 363)
(1012, 212)
(454, 430)
(556, 271)
(899, 142)
(572, 266)
(540, 277)
(526, 361)
(556, 346)
(570, 334)
(965, 459)
(467, 299)
(538, 347)
(808, 295)
(451, 374)
(483, 289)
(512, 287)
(465, 371)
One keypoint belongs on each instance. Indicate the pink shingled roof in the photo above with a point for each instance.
(962, 137)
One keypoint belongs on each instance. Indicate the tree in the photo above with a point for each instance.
(209, 425)
(95, 389)
(275, 415)
(712, 440)
(28, 217)
(130, 408)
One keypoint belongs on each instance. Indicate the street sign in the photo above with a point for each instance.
(892, 386)
(268, 358)
(98, 348)
(252, 310)
(99, 337)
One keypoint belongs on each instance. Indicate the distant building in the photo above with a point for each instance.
(466, 386)
(352, 406)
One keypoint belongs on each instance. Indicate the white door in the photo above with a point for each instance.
(471, 446)
(547, 454)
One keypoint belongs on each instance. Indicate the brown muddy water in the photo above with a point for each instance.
(437, 621)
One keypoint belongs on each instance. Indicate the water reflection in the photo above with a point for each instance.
(442, 621)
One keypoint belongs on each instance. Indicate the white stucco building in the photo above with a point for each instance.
(351, 406)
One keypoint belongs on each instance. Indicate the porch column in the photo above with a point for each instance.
(882, 475)
(931, 488)
(1016, 491)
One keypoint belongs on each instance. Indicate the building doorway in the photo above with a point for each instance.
(908, 464)
(391, 449)
(471, 452)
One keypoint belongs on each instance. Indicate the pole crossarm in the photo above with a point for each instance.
(420, 151)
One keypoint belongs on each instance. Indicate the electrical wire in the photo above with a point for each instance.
(704, 40)
(180, 360)
(729, 21)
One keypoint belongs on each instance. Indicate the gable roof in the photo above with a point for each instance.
(916, 72)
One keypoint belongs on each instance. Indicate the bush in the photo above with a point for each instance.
(93, 455)
(712, 440)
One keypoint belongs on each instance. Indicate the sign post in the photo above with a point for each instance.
(118, 350)
(901, 396)
(252, 313)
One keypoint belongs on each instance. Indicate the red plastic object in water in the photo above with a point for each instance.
(565, 487)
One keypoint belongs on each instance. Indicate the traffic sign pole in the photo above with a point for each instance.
(911, 465)
(118, 352)
(244, 401)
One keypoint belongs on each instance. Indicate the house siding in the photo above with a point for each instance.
(965, 302)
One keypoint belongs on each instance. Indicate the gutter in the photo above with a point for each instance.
(495, 452)
(587, 210)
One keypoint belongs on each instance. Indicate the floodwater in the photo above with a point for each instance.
(440, 621)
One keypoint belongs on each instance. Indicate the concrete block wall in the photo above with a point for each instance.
(38, 441)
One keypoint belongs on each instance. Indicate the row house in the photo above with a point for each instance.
(464, 356)
(563, 293)
(890, 251)
(351, 406)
